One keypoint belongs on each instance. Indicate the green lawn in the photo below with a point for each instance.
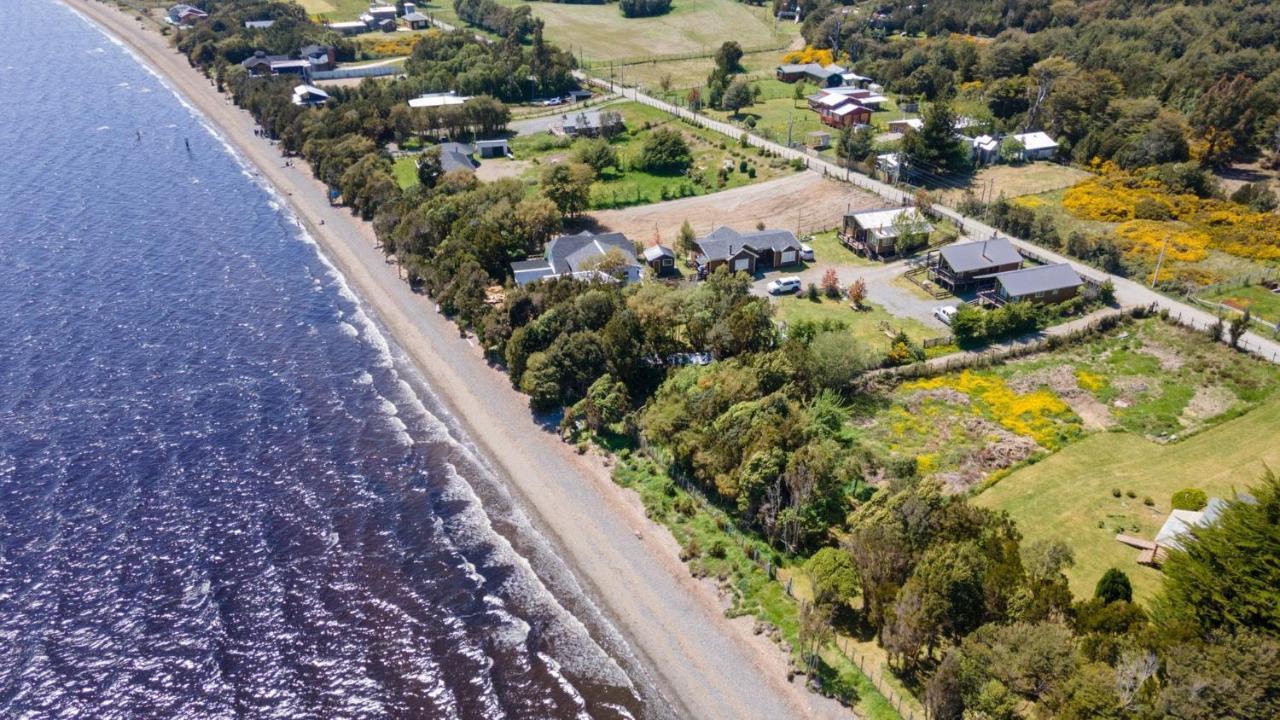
(406, 171)
(827, 248)
(630, 186)
(777, 114)
(1068, 495)
(1263, 303)
(864, 324)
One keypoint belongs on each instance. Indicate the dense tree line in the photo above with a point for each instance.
(1141, 83)
(498, 19)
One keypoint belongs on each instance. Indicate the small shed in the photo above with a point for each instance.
(661, 259)
(902, 126)
(417, 21)
(818, 139)
(1037, 146)
(493, 148)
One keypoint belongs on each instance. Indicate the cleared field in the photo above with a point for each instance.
(600, 32)
(335, 10)
(1068, 496)
(805, 201)
(1016, 180)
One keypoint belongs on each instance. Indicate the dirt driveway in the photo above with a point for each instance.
(805, 201)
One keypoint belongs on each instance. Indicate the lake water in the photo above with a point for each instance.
(223, 492)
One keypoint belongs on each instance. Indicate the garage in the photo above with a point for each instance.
(742, 265)
(788, 257)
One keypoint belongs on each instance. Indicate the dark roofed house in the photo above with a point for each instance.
(660, 258)
(823, 75)
(967, 265)
(260, 64)
(456, 156)
(493, 148)
(1044, 284)
(416, 20)
(578, 256)
(746, 252)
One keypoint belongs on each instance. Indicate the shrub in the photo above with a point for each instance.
(812, 292)
(1189, 499)
(1130, 493)
(1114, 586)
(1148, 501)
(1151, 209)
(1115, 492)
(665, 151)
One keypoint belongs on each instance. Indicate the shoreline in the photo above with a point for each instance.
(704, 665)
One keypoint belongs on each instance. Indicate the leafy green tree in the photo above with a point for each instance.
(729, 57)
(834, 579)
(568, 185)
(1230, 676)
(934, 147)
(1011, 149)
(429, 169)
(836, 359)
(541, 382)
(737, 96)
(856, 145)
(606, 403)
(597, 153)
(967, 325)
(1226, 574)
(665, 151)
(1114, 586)
(686, 240)
(1224, 119)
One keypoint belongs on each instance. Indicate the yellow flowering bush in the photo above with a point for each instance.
(926, 464)
(1090, 381)
(1146, 237)
(809, 54)
(1038, 414)
(1198, 224)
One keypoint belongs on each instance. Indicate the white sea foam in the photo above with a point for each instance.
(348, 329)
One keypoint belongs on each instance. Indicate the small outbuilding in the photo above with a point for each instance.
(309, 96)
(660, 259)
(493, 148)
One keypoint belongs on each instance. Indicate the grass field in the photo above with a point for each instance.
(1262, 302)
(1068, 496)
(1016, 180)
(864, 324)
(630, 186)
(600, 32)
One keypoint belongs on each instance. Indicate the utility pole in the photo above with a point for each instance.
(1159, 262)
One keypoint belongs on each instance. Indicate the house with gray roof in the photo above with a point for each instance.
(745, 252)
(184, 15)
(456, 156)
(579, 256)
(823, 75)
(964, 266)
(1043, 284)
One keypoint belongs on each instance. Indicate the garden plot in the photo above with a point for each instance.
(1146, 377)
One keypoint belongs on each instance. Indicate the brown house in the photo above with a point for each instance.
(746, 252)
(1043, 285)
(874, 233)
(969, 265)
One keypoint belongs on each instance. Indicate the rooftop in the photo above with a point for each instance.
(883, 218)
(724, 242)
(1044, 278)
(971, 256)
(438, 100)
(1036, 141)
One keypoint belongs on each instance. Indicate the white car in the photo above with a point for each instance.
(806, 252)
(944, 313)
(785, 285)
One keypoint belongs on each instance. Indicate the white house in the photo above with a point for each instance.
(1037, 145)
(309, 96)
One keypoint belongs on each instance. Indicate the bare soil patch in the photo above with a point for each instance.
(1063, 382)
(497, 169)
(1208, 402)
(999, 449)
(1169, 358)
(805, 200)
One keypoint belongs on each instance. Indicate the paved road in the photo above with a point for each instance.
(1128, 292)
